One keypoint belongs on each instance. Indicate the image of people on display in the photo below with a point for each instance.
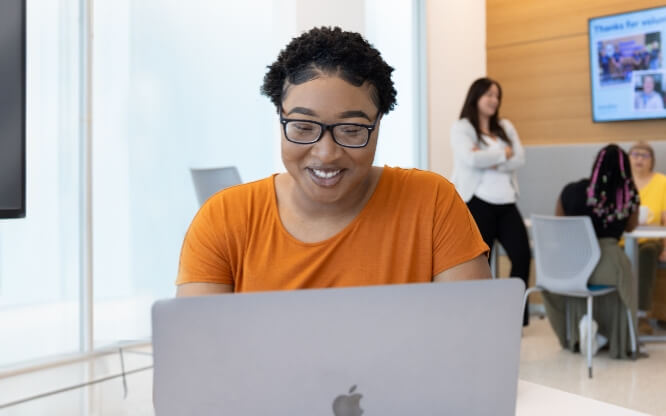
(649, 94)
(619, 57)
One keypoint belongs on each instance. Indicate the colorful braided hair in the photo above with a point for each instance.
(612, 193)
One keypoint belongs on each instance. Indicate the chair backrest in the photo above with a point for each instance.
(566, 251)
(210, 180)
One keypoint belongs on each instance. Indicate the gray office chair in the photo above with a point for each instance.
(210, 180)
(566, 252)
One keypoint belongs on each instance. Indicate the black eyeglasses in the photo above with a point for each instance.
(352, 135)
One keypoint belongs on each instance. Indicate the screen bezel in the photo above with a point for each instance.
(589, 58)
(21, 211)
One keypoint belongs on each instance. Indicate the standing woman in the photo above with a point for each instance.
(486, 154)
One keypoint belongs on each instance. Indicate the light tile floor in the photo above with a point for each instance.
(639, 385)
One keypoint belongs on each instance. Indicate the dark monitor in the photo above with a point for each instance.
(12, 108)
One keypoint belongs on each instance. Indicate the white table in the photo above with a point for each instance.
(535, 399)
(631, 248)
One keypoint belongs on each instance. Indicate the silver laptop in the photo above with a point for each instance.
(418, 349)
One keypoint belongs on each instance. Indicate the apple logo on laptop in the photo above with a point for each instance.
(348, 404)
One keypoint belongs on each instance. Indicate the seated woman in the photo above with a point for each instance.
(652, 190)
(609, 197)
(332, 219)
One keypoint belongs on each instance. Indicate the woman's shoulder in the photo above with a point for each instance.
(415, 189)
(574, 197)
(462, 124)
(582, 183)
(238, 198)
(507, 125)
(577, 188)
(659, 178)
(260, 185)
(413, 179)
(462, 130)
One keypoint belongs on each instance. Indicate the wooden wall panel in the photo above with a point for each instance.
(513, 21)
(538, 51)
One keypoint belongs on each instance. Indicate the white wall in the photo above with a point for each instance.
(456, 37)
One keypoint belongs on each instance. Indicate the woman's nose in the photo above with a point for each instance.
(326, 149)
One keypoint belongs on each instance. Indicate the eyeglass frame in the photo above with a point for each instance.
(330, 127)
(643, 155)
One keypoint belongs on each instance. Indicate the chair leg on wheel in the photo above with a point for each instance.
(527, 295)
(632, 335)
(567, 317)
(589, 336)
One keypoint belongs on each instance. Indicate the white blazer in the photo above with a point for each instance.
(468, 165)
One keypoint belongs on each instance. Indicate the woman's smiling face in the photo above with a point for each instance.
(489, 102)
(325, 172)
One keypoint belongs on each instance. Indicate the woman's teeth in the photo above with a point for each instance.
(325, 174)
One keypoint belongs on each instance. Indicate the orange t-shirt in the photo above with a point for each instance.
(413, 227)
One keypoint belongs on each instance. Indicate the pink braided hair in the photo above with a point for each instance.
(626, 195)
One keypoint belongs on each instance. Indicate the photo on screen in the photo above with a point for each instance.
(620, 57)
(627, 65)
(648, 91)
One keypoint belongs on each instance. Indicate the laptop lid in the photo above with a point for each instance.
(422, 349)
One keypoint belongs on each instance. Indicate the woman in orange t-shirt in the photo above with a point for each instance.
(333, 219)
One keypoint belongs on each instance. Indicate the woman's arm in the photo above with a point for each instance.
(477, 268)
(201, 289)
(466, 150)
(559, 205)
(662, 255)
(559, 210)
(518, 158)
(632, 222)
(203, 268)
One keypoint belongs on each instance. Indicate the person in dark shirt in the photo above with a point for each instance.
(655, 56)
(641, 59)
(604, 64)
(609, 62)
(610, 198)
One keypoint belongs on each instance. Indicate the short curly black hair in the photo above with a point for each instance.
(331, 51)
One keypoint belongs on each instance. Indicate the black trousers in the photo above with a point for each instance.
(504, 223)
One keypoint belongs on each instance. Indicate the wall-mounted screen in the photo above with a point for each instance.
(12, 108)
(627, 65)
